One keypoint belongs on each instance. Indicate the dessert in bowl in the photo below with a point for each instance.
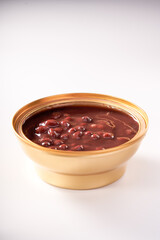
(80, 140)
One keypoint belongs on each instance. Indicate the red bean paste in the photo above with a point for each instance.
(80, 128)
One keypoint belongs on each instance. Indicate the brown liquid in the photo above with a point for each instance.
(78, 128)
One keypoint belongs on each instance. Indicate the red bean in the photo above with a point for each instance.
(86, 119)
(58, 130)
(53, 133)
(108, 135)
(95, 136)
(66, 114)
(41, 129)
(45, 144)
(65, 125)
(42, 124)
(72, 130)
(73, 144)
(100, 126)
(68, 119)
(81, 128)
(58, 142)
(64, 136)
(78, 148)
(99, 148)
(88, 133)
(53, 147)
(45, 139)
(129, 131)
(100, 134)
(83, 124)
(77, 135)
(56, 115)
(93, 125)
(51, 123)
(63, 147)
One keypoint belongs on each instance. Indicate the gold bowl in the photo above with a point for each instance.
(86, 169)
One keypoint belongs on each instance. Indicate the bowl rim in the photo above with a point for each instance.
(67, 153)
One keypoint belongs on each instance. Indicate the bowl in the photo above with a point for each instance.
(85, 169)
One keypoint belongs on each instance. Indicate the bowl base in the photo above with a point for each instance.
(80, 182)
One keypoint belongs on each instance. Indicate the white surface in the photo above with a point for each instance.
(47, 48)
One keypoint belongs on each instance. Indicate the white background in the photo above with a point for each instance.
(52, 47)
